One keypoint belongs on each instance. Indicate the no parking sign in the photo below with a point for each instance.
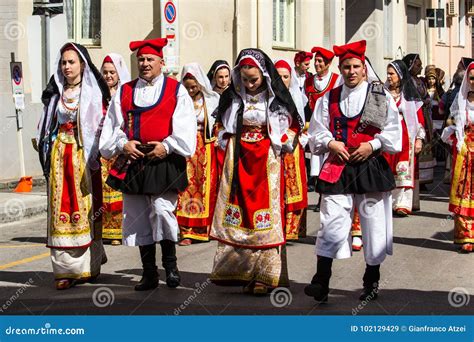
(16, 73)
(170, 31)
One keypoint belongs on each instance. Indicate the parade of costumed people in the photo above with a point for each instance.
(115, 73)
(151, 126)
(403, 163)
(75, 100)
(294, 168)
(196, 203)
(259, 123)
(460, 135)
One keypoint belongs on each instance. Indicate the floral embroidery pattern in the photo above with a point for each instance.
(262, 219)
(232, 216)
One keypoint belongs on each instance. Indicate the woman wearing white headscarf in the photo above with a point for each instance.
(403, 163)
(461, 137)
(196, 203)
(296, 184)
(75, 100)
(115, 72)
(259, 121)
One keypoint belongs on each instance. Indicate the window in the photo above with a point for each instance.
(284, 23)
(83, 21)
(442, 30)
(462, 24)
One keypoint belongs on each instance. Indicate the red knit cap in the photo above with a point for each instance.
(351, 50)
(303, 56)
(325, 53)
(150, 46)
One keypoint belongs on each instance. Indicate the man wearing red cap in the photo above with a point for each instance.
(302, 62)
(152, 127)
(315, 87)
(354, 122)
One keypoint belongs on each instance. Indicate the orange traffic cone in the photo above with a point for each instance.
(25, 184)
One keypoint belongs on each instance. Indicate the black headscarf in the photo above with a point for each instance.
(282, 99)
(410, 59)
(52, 88)
(410, 93)
(220, 63)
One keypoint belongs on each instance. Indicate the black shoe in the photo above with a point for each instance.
(148, 282)
(317, 291)
(173, 278)
(369, 293)
(316, 209)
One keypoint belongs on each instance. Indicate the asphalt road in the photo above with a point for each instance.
(424, 276)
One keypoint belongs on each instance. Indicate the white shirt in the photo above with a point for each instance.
(320, 83)
(352, 101)
(255, 109)
(183, 137)
(301, 79)
(199, 110)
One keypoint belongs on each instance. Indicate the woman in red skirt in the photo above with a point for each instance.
(259, 121)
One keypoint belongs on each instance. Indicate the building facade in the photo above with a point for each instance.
(206, 30)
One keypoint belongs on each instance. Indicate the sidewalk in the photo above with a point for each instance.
(16, 206)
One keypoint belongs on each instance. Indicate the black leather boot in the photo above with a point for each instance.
(149, 279)
(371, 283)
(319, 287)
(168, 258)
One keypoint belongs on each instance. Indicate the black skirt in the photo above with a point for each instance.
(372, 175)
(153, 177)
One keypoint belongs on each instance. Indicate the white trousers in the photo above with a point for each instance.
(334, 235)
(148, 219)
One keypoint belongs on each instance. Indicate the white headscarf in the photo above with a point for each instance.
(409, 109)
(121, 66)
(211, 98)
(459, 111)
(90, 109)
(299, 98)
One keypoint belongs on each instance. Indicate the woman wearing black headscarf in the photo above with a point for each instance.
(75, 100)
(259, 120)
(410, 108)
(426, 160)
(219, 76)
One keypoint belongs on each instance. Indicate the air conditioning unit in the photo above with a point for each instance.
(451, 10)
(470, 7)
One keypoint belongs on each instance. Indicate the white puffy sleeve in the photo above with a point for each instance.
(319, 133)
(182, 140)
(113, 138)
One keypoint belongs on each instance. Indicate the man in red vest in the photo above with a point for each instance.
(151, 126)
(315, 87)
(302, 63)
(354, 123)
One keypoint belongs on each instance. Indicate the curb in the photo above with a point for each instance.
(12, 183)
(16, 209)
